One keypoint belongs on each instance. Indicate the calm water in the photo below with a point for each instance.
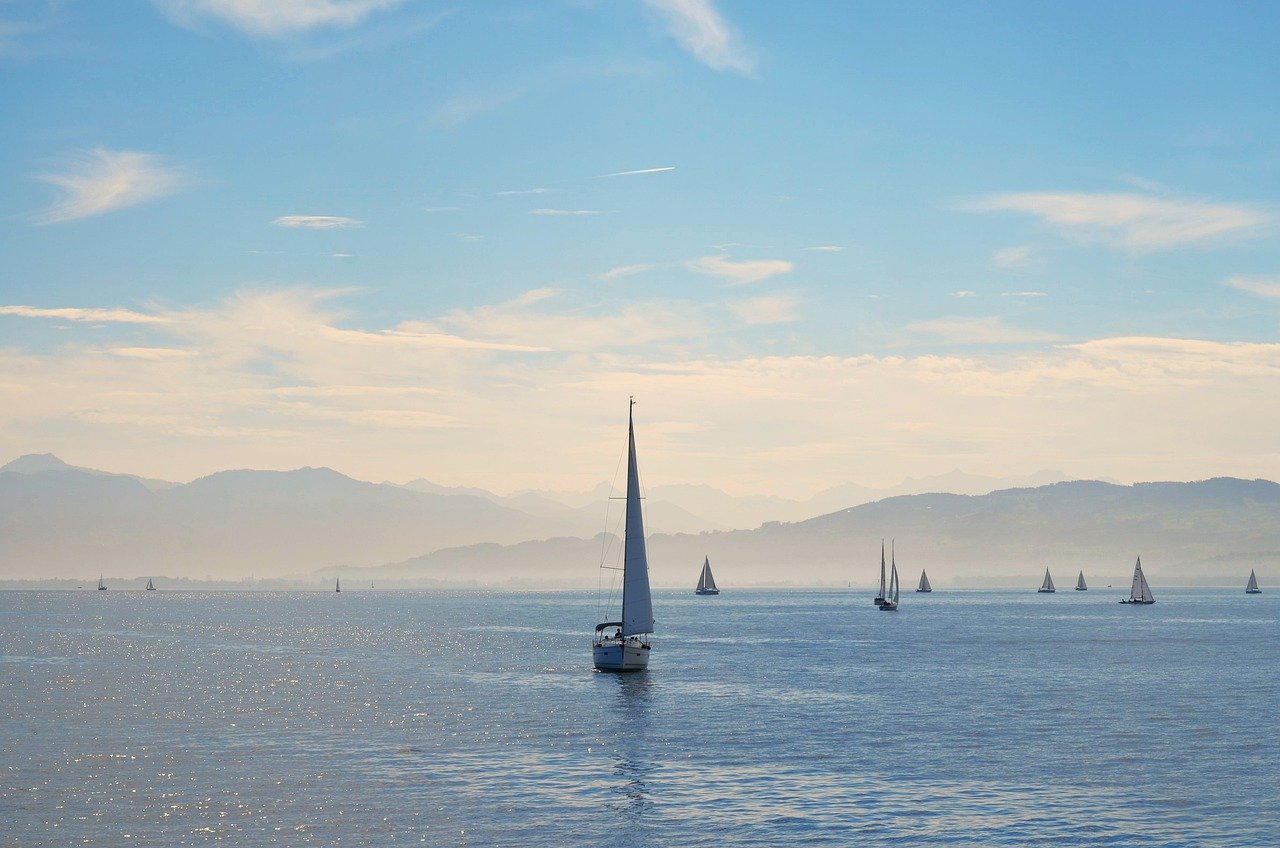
(788, 718)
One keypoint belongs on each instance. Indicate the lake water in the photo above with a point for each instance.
(782, 718)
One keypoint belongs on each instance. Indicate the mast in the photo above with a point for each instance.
(637, 605)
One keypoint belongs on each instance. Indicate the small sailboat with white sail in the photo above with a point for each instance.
(102, 587)
(1251, 588)
(924, 583)
(1047, 586)
(1080, 584)
(151, 587)
(890, 602)
(624, 645)
(706, 583)
(1140, 593)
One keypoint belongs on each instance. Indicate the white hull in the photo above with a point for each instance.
(621, 656)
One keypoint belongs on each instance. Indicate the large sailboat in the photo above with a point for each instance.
(1141, 592)
(1047, 585)
(706, 583)
(1251, 588)
(624, 645)
(1080, 586)
(890, 602)
(924, 583)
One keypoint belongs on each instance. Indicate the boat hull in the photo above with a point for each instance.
(1046, 591)
(1136, 602)
(925, 591)
(706, 591)
(616, 656)
(1253, 591)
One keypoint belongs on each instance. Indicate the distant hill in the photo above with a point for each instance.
(1207, 532)
(35, 463)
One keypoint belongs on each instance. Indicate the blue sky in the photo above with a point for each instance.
(821, 242)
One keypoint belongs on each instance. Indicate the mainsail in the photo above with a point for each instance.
(1080, 587)
(1047, 585)
(880, 595)
(924, 583)
(705, 580)
(1252, 586)
(1141, 592)
(893, 583)
(637, 605)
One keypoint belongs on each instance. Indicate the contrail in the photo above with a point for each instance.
(641, 171)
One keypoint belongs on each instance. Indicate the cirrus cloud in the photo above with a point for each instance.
(100, 181)
(317, 222)
(739, 273)
(702, 31)
(273, 18)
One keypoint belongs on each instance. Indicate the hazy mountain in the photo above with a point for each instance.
(34, 463)
(1207, 532)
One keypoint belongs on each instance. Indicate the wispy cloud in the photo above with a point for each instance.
(661, 170)
(105, 180)
(1264, 286)
(76, 313)
(1018, 256)
(977, 331)
(964, 293)
(740, 273)
(1024, 294)
(317, 222)
(556, 212)
(521, 192)
(273, 18)
(703, 32)
(624, 271)
(768, 309)
(464, 108)
(1135, 222)
(827, 248)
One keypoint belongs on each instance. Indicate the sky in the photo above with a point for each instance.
(818, 242)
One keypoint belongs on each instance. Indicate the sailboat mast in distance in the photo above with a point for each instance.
(924, 583)
(706, 583)
(1080, 586)
(1140, 592)
(1251, 588)
(879, 599)
(1047, 585)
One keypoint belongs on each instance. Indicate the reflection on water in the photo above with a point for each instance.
(977, 719)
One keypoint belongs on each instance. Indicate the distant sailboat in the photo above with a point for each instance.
(1047, 585)
(151, 587)
(890, 603)
(924, 583)
(102, 587)
(337, 585)
(879, 598)
(1080, 587)
(1140, 593)
(1251, 588)
(623, 645)
(706, 583)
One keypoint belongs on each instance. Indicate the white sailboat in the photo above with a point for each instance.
(102, 587)
(623, 645)
(1080, 587)
(337, 585)
(706, 583)
(1251, 588)
(1047, 585)
(151, 587)
(879, 598)
(924, 583)
(1140, 593)
(890, 602)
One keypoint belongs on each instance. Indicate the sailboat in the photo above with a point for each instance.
(1080, 587)
(1251, 588)
(1047, 585)
(706, 583)
(1141, 592)
(151, 587)
(890, 602)
(879, 598)
(924, 583)
(102, 587)
(623, 645)
(337, 585)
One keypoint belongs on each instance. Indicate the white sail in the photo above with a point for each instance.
(1140, 591)
(1252, 585)
(637, 605)
(924, 583)
(705, 580)
(1080, 582)
(1047, 585)
(893, 584)
(881, 595)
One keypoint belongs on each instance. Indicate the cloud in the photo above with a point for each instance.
(703, 32)
(1134, 222)
(1263, 286)
(624, 271)
(1012, 257)
(150, 352)
(1024, 294)
(520, 192)
(565, 212)
(74, 313)
(661, 170)
(964, 293)
(317, 222)
(100, 181)
(976, 331)
(273, 18)
(768, 309)
(464, 108)
(739, 273)
(827, 248)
